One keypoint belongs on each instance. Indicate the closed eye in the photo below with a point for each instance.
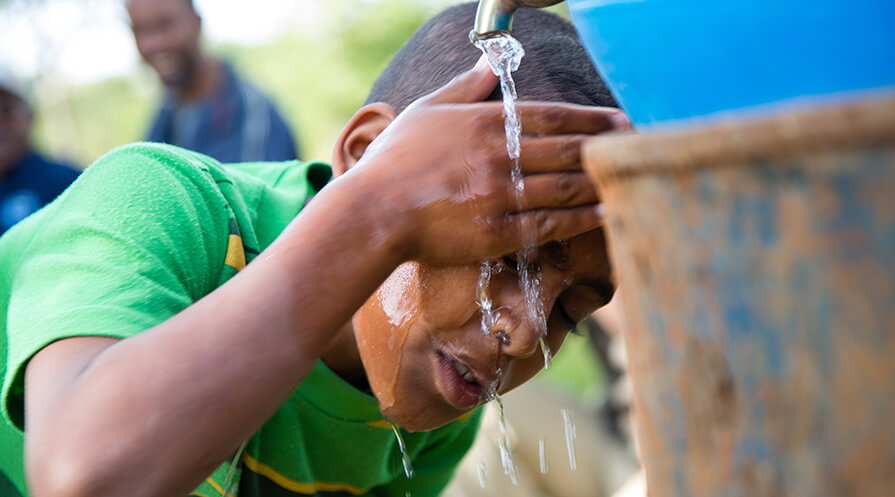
(557, 254)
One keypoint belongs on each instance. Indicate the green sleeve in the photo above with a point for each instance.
(139, 237)
(435, 465)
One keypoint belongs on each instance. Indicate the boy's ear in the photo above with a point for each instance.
(364, 126)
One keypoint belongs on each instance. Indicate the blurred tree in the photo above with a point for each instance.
(321, 80)
(59, 129)
(318, 80)
(319, 77)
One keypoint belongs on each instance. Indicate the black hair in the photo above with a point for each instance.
(555, 67)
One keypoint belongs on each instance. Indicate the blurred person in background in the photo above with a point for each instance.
(207, 107)
(28, 181)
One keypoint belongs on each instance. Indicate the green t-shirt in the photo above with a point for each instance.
(144, 233)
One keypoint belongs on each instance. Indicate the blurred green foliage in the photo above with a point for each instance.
(318, 82)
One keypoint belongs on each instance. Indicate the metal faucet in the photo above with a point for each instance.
(496, 16)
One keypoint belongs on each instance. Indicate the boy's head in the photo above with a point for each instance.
(420, 335)
(555, 67)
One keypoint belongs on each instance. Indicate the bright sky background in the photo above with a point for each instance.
(86, 40)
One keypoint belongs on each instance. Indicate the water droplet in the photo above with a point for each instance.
(231, 483)
(503, 444)
(405, 458)
(569, 424)
(483, 298)
(548, 354)
(542, 456)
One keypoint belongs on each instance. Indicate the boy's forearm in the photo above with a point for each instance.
(156, 412)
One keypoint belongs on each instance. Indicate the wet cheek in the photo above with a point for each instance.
(382, 327)
(380, 346)
(448, 296)
(399, 296)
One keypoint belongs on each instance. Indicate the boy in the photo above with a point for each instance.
(143, 350)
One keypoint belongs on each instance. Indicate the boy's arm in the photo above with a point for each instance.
(155, 413)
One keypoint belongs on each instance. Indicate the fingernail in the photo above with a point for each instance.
(620, 121)
(482, 63)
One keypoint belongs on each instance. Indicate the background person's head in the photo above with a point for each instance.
(420, 338)
(167, 36)
(16, 118)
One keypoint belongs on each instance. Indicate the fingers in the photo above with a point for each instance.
(557, 190)
(555, 224)
(551, 153)
(472, 86)
(542, 118)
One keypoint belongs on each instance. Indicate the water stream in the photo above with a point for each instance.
(231, 483)
(504, 55)
(405, 458)
(569, 424)
(483, 475)
(503, 444)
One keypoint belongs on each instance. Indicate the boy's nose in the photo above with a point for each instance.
(518, 337)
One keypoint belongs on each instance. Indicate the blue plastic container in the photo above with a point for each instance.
(670, 60)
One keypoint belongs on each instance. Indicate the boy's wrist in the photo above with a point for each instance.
(377, 220)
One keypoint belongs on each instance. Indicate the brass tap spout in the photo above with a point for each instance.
(496, 16)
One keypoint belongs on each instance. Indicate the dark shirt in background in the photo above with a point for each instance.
(32, 184)
(235, 124)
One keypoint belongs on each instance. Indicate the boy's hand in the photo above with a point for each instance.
(443, 172)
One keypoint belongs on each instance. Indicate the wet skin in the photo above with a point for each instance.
(417, 336)
(421, 332)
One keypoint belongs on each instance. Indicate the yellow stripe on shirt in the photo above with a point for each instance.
(236, 256)
(293, 485)
(380, 423)
(219, 488)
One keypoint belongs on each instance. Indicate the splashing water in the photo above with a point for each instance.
(503, 444)
(483, 298)
(504, 55)
(542, 456)
(231, 484)
(569, 424)
(405, 458)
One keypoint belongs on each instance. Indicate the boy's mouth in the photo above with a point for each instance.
(459, 381)
(464, 371)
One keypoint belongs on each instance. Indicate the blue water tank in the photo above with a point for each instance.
(672, 60)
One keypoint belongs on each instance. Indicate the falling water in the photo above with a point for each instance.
(231, 484)
(405, 458)
(504, 55)
(503, 443)
(542, 456)
(483, 299)
(483, 475)
(570, 437)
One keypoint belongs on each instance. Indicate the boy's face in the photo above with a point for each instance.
(420, 335)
